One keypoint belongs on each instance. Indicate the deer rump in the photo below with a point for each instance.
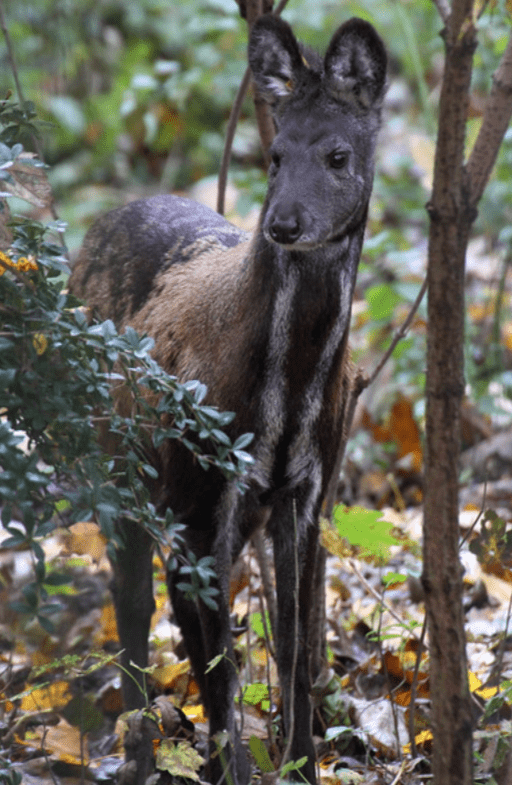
(263, 322)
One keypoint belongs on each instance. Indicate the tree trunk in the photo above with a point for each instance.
(451, 215)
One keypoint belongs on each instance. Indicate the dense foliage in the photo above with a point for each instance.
(56, 377)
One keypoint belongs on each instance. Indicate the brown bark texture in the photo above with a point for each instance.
(449, 230)
(452, 209)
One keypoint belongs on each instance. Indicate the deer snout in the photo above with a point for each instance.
(285, 230)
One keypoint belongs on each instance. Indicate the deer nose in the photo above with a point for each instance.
(285, 231)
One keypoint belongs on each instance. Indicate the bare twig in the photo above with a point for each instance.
(265, 124)
(414, 689)
(360, 383)
(385, 670)
(399, 334)
(10, 55)
(258, 542)
(35, 141)
(378, 596)
(295, 642)
(230, 135)
(480, 513)
(443, 8)
(270, 652)
(497, 670)
(400, 772)
(496, 120)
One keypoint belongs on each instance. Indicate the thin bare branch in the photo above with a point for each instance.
(35, 141)
(443, 8)
(230, 135)
(258, 542)
(399, 334)
(10, 55)
(360, 383)
(495, 123)
(379, 597)
(265, 124)
(295, 643)
(414, 690)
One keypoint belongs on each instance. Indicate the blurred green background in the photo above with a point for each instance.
(135, 98)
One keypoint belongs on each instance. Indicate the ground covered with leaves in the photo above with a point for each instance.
(62, 717)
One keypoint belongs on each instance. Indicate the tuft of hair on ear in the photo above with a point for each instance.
(356, 63)
(274, 57)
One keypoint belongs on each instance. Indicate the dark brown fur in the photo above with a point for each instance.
(263, 322)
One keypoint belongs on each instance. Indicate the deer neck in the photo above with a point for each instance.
(306, 331)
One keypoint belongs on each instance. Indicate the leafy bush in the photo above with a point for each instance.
(56, 376)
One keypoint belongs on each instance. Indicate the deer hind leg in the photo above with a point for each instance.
(294, 546)
(134, 605)
(207, 636)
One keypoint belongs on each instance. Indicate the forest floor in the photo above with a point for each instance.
(62, 718)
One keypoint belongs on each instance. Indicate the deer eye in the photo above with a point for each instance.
(338, 159)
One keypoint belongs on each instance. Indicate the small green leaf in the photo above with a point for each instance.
(256, 621)
(381, 300)
(293, 765)
(393, 577)
(257, 694)
(208, 600)
(150, 471)
(243, 441)
(221, 437)
(260, 755)
(215, 661)
(365, 530)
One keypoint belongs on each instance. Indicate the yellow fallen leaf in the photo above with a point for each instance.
(167, 676)
(52, 697)
(107, 630)
(474, 681)
(420, 739)
(195, 713)
(487, 692)
(63, 740)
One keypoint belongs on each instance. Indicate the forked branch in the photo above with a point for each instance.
(495, 123)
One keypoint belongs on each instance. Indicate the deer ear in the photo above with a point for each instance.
(355, 64)
(274, 57)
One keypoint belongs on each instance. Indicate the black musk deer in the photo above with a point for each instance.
(263, 321)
